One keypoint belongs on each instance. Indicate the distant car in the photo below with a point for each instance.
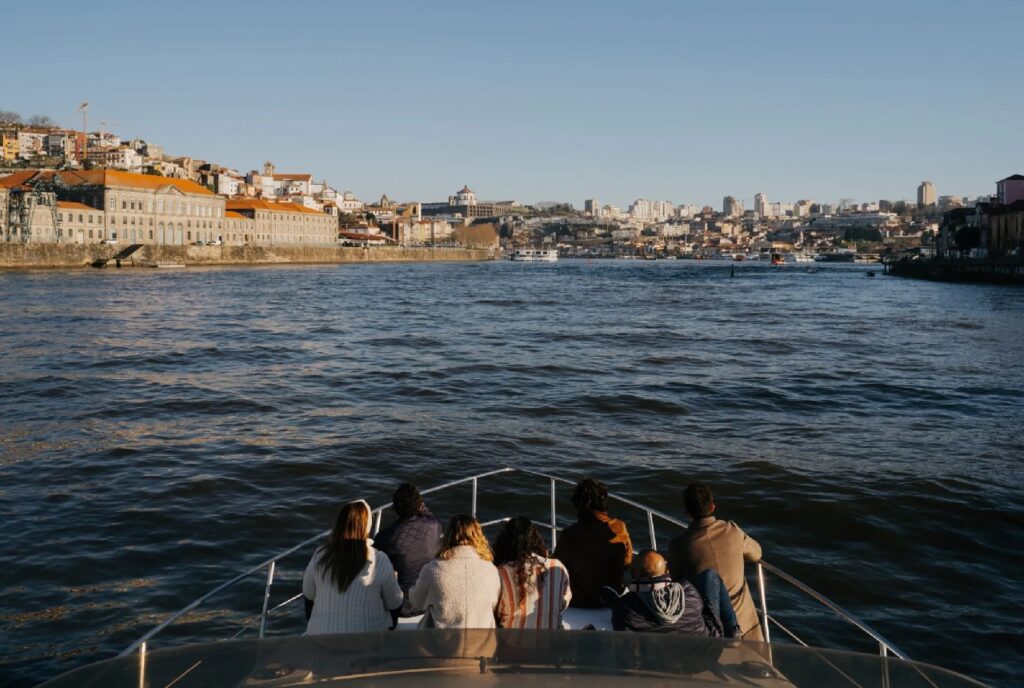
(218, 242)
(109, 241)
(198, 243)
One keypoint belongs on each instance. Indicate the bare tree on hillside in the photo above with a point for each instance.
(41, 121)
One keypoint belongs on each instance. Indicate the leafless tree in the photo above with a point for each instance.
(41, 121)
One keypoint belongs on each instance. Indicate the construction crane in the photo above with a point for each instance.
(84, 109)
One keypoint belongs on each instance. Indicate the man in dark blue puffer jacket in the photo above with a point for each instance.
(412, 541)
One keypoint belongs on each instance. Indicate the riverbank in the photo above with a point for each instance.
(993, 270)
(35, 256)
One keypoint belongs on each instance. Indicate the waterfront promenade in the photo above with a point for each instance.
(34, 256)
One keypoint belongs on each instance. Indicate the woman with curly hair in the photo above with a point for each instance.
(534, 587)
(460, 588)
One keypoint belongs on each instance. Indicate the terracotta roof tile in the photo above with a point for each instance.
(260, 204)
(108, 177)
(71, 205)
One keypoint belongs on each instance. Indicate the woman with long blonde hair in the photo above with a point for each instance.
(349, 586)
(460, 588)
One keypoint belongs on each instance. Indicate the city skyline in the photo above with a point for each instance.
(539, 103)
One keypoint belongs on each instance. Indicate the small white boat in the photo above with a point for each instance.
(535, 255)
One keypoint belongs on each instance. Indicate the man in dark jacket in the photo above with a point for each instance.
(653, 603)
(412, 541)
(596, 549)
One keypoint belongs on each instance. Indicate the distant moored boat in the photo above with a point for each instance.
(535, 255)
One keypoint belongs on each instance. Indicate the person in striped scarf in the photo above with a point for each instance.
(534, 587)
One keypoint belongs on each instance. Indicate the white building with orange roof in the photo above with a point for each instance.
(136, 208)
(282, 224)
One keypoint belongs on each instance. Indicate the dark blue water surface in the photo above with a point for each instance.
(160, 431)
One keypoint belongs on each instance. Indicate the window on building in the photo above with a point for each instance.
(124, 205)
(151, 235)
(80, 217)
(189, 236)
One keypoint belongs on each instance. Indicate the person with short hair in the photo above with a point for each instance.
(596, 549)
(534, 587)
(710, 543)
(654, 603)
(460, 588)
(410, 542)
(348, 586)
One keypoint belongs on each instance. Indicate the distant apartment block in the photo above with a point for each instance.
(925, 195)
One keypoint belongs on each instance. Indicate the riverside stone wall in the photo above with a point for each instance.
(22, 256)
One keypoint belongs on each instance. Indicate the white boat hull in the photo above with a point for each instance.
(530, 255)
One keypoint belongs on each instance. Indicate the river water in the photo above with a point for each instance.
(160, 431)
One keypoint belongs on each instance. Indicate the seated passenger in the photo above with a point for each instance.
(349, 587)
(654, 603)
(412, 541)
(534, 587)
(720, 545)
(596, 549)
(460, 588)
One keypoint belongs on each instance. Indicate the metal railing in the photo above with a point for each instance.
(885, 647)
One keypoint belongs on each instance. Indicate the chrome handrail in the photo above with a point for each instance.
(885, 646)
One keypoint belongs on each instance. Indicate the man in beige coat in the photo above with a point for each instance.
(720, 545)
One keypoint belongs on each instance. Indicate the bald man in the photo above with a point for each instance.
(653, 603)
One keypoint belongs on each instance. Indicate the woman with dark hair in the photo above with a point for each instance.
(596, 549)
(349, 586)
(460, 588)
(534, 587)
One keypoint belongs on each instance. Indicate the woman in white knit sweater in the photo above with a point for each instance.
(349, 586)
(460, 588)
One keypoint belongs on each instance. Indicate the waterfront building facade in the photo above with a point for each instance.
(27, 214)
(1005, 236)
(136, 208)
(79, 223)
(282, 224)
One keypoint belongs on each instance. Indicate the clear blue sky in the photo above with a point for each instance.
(531, 101)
